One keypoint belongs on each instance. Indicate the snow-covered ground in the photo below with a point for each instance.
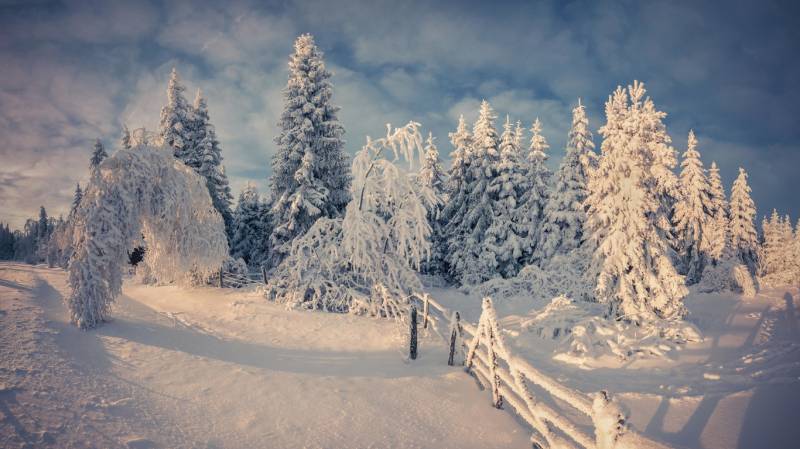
(737, 388)
(210, 368)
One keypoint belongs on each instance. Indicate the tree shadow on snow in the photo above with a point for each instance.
(158, 331)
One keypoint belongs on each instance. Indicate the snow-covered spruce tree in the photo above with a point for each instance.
(310, 171)
(140, 191)
(98, 154)
(125, 139)
(536, 197)
(432, 177)
(743, 231)
(565, 213)
(769, 259)
(635, 273)
(467, 262)
(250, 227)
(693, 214)
(175, 128)
(505, 238)
(458, 181)
(365, 262)
(787, 257)
(718, 226)
(206, 148)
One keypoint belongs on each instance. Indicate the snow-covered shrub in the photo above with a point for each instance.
(563, 274)
(365, 262)
(583, 333)
(140, 191)
(743, 280)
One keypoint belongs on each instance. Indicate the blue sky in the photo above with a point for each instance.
(73, 71)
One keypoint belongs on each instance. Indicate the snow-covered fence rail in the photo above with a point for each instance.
(227, 279)
(512, 381)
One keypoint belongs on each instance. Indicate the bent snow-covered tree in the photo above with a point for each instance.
(366, 261)
(140, 191)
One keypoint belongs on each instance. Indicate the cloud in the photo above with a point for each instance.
(78, 70)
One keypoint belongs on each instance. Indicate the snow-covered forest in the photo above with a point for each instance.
(615, 261)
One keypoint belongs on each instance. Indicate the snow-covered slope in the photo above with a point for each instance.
(210, 368)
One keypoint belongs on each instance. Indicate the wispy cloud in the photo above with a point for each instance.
(77, 70)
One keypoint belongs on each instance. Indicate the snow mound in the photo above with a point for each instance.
(725, 277)
(585, 338)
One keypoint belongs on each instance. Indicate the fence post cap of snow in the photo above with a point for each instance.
(610, 422)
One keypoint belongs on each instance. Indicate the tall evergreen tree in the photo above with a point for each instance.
(717, 229)
(505, 238)
(125, 139)
(458, 181)
(310, 171)
(635, 273)
(432, 177)
(98, 154)
(76, 201)
(565, 213)
(693, 213)
(467, 262)
(536, 197)
(209, 154)
(250, 227)
(175, 128)
(742, 213)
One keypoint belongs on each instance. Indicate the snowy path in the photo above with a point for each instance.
(206, 368)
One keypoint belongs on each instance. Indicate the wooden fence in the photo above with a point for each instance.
(560, 417)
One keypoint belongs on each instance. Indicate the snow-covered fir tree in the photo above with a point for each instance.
(770, 257)
(310, 171)
(565, 213)
(505, 238)
(175, 128)
(207, 150)
(458, 180)
(76, 200)
(125, 139)
(43, 233)
(432, 176)
(98, 154)
(693, 214)
(250, 227)
(718, 226)
(468, 264)
(742, 227)
(635, 272)
(537, 194)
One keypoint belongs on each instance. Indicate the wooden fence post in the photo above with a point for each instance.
(220, 278)
(453, 338)
(425, 311)
(497, 399)
(412, 349)
(264, 273)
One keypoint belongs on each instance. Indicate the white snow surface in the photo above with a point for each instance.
(181, 367)
(738, 387)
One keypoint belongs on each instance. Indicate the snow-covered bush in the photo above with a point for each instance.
(563, 274)
(366, 261)
(584, 335)
(140, 191)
